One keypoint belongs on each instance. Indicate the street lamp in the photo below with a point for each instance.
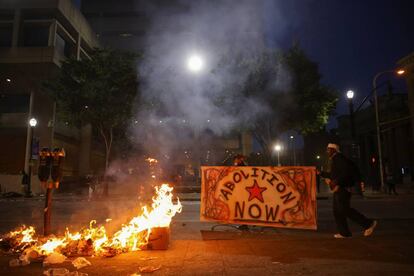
(377, 123)
(32, 124)
(195, 63)
(350, 96)
(278, 148)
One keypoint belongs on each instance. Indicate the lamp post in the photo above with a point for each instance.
(195, 63)
(292, 138)
(278, 148)
(350, 96)
(377, 123)
(32, 124)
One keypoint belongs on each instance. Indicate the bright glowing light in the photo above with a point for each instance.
(195, 63)
(151, 160)
(291, 137)
(278, 147)
(401, 72)
(50, 246)
(318, 157)
(33, 122)
(350, 94)
(8, 80)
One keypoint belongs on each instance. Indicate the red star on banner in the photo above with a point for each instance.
(256, 191)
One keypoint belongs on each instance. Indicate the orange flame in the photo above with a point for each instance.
(95, 241)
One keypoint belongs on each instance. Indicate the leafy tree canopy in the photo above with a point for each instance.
(287, 84)
(314, 102)
(99, 91)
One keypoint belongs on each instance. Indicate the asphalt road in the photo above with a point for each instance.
(196, 250)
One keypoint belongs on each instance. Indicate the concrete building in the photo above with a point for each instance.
(34, 37)
(408, 64)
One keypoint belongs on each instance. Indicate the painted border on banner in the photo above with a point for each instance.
(266, 196)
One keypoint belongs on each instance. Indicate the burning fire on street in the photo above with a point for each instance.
(94, 239)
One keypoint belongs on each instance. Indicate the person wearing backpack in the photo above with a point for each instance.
(341, 177)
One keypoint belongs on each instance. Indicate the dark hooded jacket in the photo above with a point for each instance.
(344, 172)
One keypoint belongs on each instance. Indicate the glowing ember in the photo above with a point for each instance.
(151, 160)
(94, 240)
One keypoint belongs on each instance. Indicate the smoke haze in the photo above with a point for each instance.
(216, 31)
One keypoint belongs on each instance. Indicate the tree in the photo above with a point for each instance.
(99, 91)
(288, 84)
(314, 101)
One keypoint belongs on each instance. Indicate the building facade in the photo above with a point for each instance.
(396, 138)
(35, 36)
(408, 64)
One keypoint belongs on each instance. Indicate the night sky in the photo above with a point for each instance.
(351, 40)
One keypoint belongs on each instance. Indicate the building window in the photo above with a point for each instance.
(60, 45)
(6, 33)
(36, 35)
(63, 47)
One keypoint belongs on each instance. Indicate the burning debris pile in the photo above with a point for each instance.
(94, 240)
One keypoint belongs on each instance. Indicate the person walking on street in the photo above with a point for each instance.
(341, 178)
(389, 178)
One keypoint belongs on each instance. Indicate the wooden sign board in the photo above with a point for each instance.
(267, 196)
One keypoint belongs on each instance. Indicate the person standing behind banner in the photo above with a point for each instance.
(341, 178)
(240, 160)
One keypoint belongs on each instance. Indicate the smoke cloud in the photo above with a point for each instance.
(187, 102)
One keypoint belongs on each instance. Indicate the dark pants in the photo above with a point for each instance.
(342, 210)
(391, 187)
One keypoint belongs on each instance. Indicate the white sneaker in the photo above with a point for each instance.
(339, 236)
(368, 232)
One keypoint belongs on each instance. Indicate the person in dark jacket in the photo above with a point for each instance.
(341, 178)
(389, 178)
